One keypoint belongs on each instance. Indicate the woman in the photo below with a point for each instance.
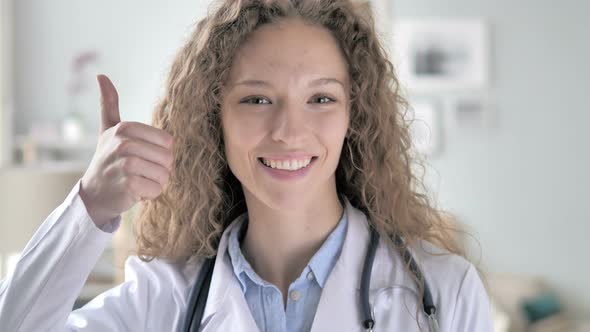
(278, 147)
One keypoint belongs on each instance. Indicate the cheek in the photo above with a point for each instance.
(241, 137)
(332, 130)
(243, 134)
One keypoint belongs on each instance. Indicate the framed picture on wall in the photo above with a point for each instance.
(441, 54)
(472, 112)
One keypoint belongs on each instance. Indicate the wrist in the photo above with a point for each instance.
(98, 216)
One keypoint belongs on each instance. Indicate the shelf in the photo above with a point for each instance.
(56, 143)
(50, 167)
(51, 154)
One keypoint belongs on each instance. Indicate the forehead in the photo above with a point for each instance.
(292, 49)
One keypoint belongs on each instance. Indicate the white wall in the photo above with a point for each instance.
(6, 55)
(3, 15)
(523, 187)
(136, 40)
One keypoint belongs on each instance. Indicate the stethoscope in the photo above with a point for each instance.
(200, 291)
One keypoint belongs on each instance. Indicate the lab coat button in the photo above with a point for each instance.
(310, 276)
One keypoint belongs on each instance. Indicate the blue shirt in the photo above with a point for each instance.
(265, 299)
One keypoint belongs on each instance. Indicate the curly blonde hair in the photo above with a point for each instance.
(375, 170)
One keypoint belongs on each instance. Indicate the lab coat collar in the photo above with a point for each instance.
(341, 292)
(225, 293)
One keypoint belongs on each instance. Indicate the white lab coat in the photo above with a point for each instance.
(40, 293)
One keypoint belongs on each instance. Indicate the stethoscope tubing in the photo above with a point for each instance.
(368, 321)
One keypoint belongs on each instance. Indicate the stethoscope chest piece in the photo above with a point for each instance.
(433, 323)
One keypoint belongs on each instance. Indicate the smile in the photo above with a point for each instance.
(287, 169)
(289, 165)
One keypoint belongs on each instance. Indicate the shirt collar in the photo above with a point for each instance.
(240, 265)
(321, 263)
(323, 260)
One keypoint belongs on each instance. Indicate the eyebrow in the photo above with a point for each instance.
(316, 82)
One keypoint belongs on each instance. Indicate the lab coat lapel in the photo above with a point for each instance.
(339, 306)
(226, 308)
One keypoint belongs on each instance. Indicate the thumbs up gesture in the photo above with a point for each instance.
(132, 162)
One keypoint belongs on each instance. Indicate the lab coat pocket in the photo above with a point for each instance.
(396, 308)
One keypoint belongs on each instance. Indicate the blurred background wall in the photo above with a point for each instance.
(519, 185)
(522, 187)
(133, 42)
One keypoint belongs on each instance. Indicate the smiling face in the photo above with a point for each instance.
(286, 102)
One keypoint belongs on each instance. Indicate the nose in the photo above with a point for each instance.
(289, 125)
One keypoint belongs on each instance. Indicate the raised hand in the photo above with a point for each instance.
(132, 162)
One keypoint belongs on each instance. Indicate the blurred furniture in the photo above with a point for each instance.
(124, 244)
(26, 199)
(509, 292)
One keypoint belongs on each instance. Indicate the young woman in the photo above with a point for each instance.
(281, 151)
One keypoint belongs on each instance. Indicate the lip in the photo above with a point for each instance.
(283, 175)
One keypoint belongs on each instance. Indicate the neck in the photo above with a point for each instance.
(279, 244)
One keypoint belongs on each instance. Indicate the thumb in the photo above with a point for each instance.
(109, 103)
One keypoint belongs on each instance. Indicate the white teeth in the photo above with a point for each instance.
(290, 165)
